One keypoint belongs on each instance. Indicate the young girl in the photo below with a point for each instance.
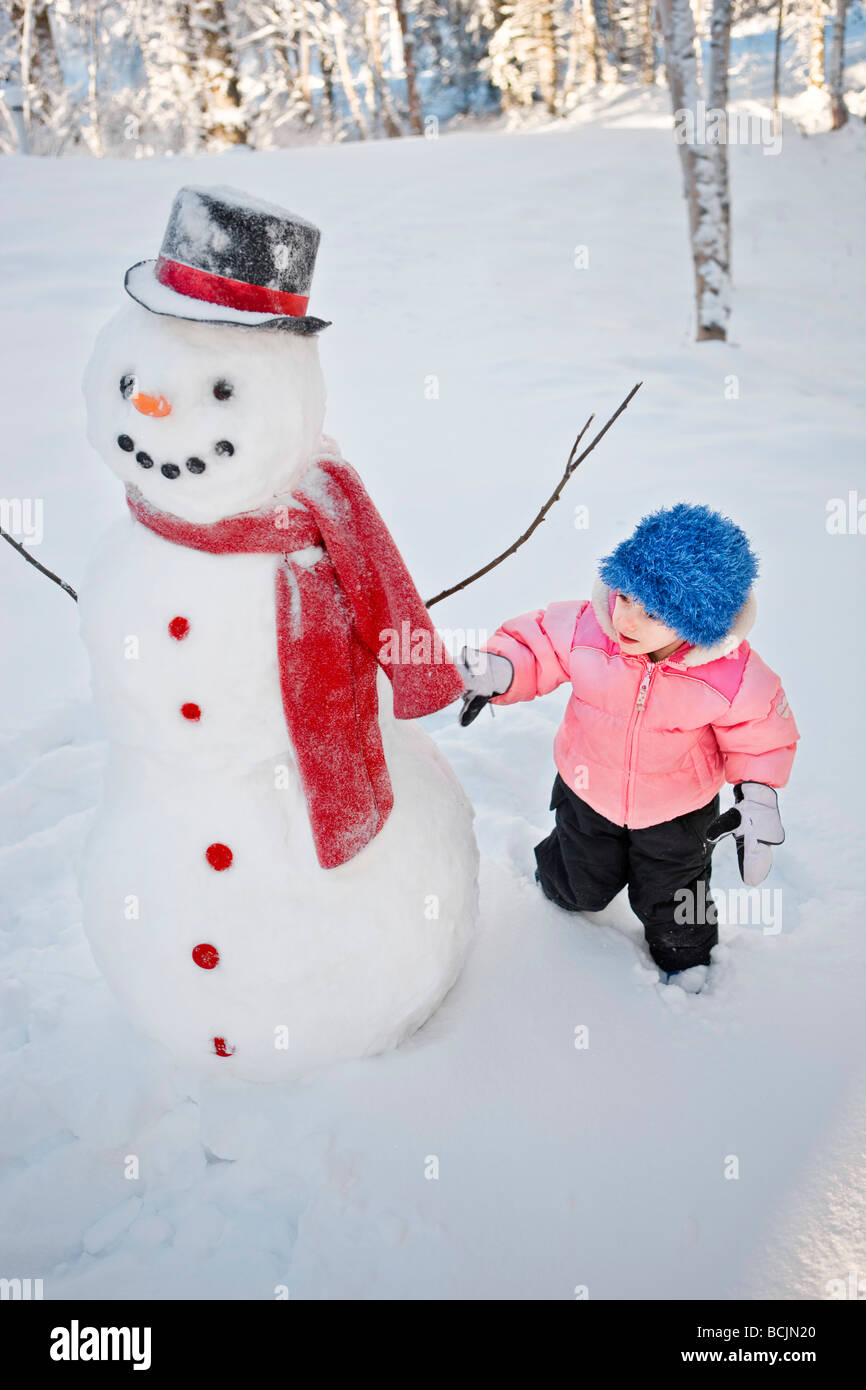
(668, 703)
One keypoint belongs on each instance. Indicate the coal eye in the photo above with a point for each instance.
(223, 390)
(127, 385)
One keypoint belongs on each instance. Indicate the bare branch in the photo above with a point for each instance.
(570, 467)
(31, 559)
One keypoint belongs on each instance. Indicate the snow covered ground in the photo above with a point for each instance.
(467, 348)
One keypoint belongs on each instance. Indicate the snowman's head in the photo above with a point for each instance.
(205, 419)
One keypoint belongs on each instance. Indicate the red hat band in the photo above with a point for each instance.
(231, 294)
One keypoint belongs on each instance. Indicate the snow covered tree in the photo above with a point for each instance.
(720, 56)
(584, 61)
(174, 103)
(523, 58)
(704, 183)
(645, 53)
(88, 18)
(408, 38)
(777, 54)
(838, 109)
(224, 118)
(455, 35)
(820, 64)
(632, 39)
(138, 77)
(36, 68)
(381, 102)
(336, 29)
(546, 41)
(816, 44)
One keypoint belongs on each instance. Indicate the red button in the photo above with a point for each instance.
(219, 856)
(206, 956)
(179, 627)
(222, 1048)
(191, 711)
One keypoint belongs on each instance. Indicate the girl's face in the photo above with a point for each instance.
(639, 632)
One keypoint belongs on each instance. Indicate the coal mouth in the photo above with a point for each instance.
(195, 465)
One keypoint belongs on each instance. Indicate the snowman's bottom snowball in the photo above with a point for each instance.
(313, 966)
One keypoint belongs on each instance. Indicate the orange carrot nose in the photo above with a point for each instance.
(151, 405)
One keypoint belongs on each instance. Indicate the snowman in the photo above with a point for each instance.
(282, 872)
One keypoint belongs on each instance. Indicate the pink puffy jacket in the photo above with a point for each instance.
(644, 741)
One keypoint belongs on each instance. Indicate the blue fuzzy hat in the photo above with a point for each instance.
(689, 566)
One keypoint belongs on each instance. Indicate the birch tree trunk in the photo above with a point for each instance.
(48, 71)
(380, 82)
(304, 72)
(26, 62)
(575, 44)
(375, 102)
(646, 58)
(408, 38)
(224, 117)
(720, 56)
(582, 65)
(327, 66)
(42, 86)
(546, 49)
(816, 45)
(697, 15)
(703, 195)
(603, 19)
(592, 62)
(347, 78)
(93, 35)
(371, 96)
(167, 44)
(777, 56)
(631, 36)
(284, 43)
(839, 110)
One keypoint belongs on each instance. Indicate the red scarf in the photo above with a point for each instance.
(334, 620)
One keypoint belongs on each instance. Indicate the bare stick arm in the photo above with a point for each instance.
(31, 559)
(572, 464)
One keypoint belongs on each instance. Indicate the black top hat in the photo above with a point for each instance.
(230, 258)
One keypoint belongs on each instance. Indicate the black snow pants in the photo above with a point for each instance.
(586, 860)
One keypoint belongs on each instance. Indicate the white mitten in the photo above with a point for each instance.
(755, 824)
(485, 674)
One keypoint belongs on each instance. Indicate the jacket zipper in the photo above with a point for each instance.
(639, 705)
